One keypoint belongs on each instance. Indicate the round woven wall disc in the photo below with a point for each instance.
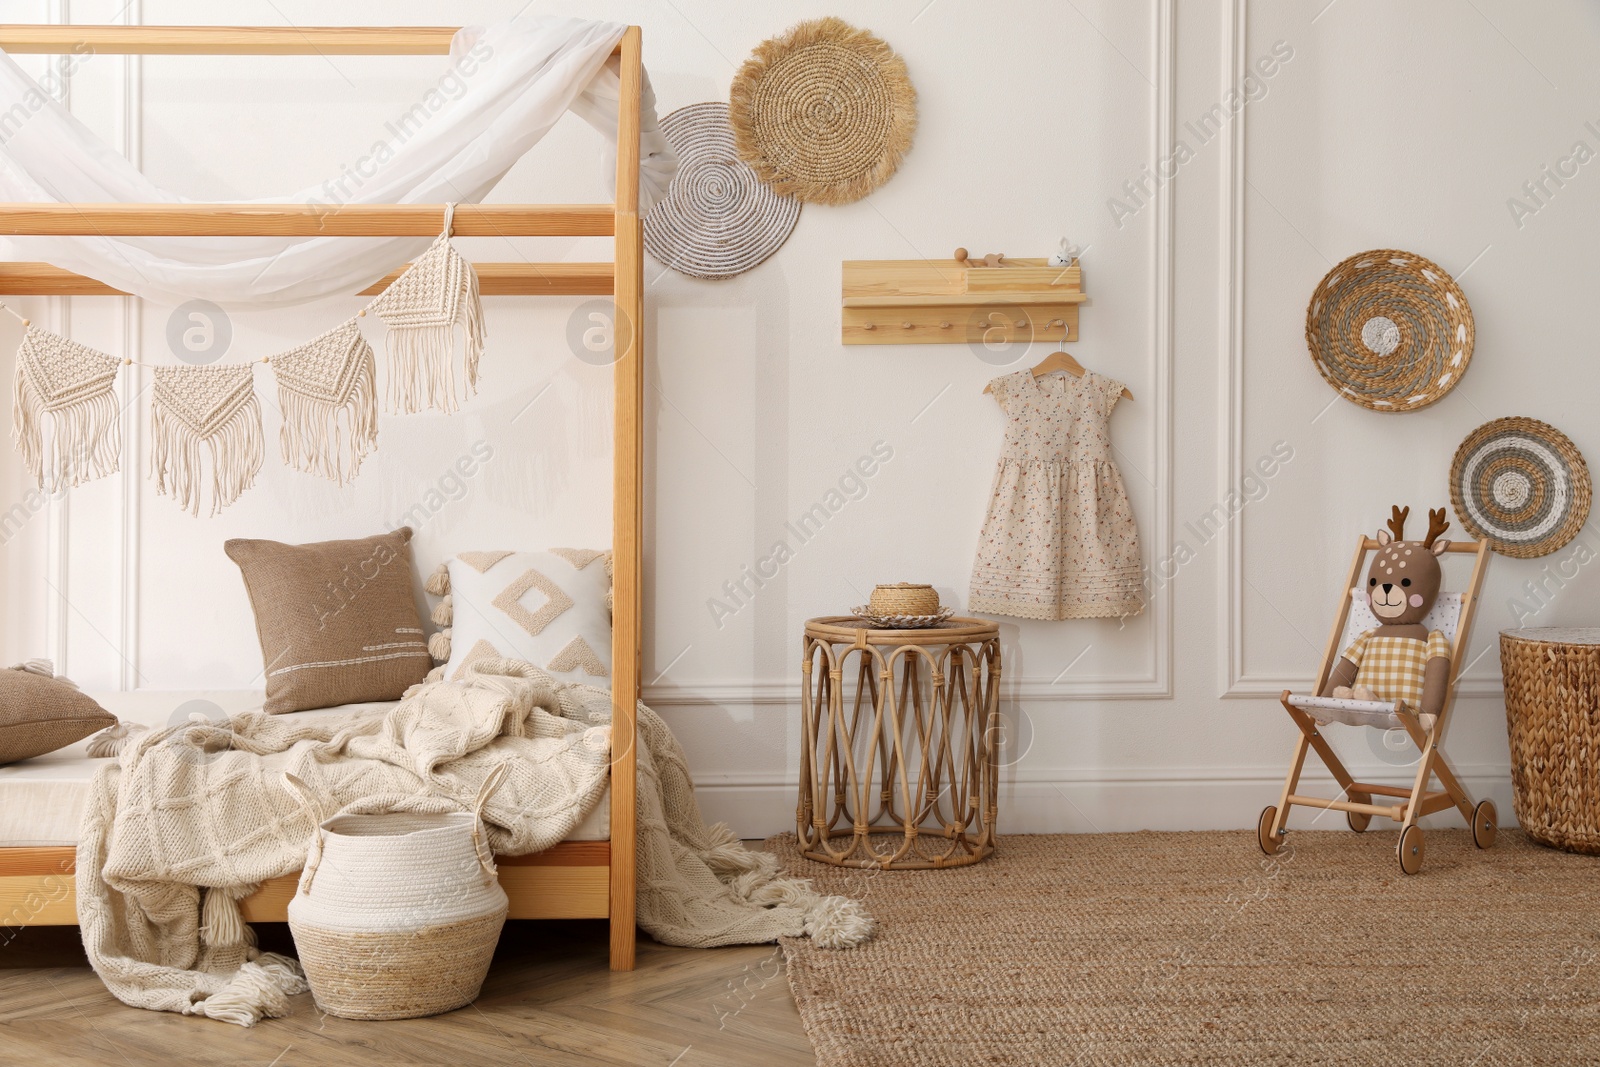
(824, 112)
(717, 219)
(1390, 330)
(1521, 485)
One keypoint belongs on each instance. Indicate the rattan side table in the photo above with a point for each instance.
(899, 768)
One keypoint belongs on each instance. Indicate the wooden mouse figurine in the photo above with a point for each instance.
(1401, 659)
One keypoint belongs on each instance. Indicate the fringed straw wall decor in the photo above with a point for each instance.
(718, 219)
(825, 112)
(1389, 330)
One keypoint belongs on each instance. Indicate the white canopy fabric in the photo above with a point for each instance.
(525, 74)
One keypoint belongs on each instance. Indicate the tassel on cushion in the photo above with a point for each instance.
(211, 406)
(328, 376)
(73, 389)
(444, 611)
(438, 582)
(422, 309)
(439, 646)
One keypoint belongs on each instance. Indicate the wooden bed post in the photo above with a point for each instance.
(627, 519)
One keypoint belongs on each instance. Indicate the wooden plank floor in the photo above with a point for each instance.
(549, 999)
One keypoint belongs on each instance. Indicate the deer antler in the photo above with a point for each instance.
(1436, 526)
(1397, 525)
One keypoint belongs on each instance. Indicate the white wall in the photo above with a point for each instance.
(1389, 125)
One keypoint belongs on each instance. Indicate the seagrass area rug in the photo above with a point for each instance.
(1194, 948)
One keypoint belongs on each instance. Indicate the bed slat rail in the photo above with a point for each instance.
(229, 40)
(305, 220)
(494, 279)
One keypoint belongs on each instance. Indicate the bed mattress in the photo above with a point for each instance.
(41, 799)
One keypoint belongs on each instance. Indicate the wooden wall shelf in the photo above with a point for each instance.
(941, 302)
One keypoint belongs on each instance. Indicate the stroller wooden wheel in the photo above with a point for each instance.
(1358, 820)
(1264, 836)
(1410, 849)
(1485, 824)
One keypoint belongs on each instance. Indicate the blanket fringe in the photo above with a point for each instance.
(259, 990)
(830, 921)
(221, 923)
(110, 742)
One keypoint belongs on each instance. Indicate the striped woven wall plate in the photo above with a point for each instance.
(1389, 330)
(1521, 485)
(718, 218)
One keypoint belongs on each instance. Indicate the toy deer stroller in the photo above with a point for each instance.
(1402, 642)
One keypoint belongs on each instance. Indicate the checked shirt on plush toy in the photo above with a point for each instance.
(1400, 659)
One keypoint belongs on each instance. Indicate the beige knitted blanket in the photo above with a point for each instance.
(189, 820)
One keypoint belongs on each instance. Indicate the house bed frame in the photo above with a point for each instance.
(575, 879)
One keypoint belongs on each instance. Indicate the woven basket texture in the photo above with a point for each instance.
(397, 915)
(718, 218)
(904, 598)
(1390, 330)
(824, 112)
(1552, 685)
(1521, 485)
(1157, 949)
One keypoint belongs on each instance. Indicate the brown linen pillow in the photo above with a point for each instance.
(337, 620)
(39, 715)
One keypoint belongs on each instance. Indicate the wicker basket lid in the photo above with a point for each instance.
(718, 219)
(1390, 330)
(1521, 485)
(904, 598)
(824, 112)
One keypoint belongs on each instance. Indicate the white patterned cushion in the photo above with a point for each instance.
(548, 608)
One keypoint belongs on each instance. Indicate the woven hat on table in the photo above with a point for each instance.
(1521, 485)
(824, 112)
(1390, 330)
(717, 219)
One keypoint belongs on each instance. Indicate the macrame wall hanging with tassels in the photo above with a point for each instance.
(317, 382)
(211, 406)
(422, 310)
(73, 389)
(67, 419)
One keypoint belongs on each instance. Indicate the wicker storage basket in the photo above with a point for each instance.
(904, 598)
(1552, 682)
(397, 914)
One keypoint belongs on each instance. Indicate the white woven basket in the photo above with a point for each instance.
(397, 914)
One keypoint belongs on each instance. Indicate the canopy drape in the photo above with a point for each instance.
(524, 75)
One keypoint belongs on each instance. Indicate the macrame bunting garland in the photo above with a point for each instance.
(327, 389)
(422, 309)
(72, 388)
(213, 406)
(325, 378)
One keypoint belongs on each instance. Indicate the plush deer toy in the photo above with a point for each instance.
(1400, 660)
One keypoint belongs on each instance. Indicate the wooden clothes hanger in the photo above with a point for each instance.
(1062, 360)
